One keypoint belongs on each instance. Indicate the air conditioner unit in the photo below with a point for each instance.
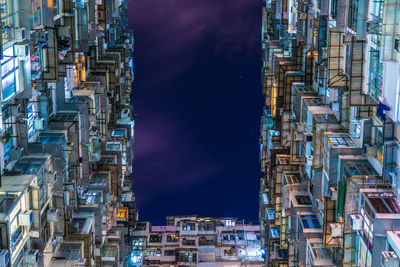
(320, 204)
(21, 50)
(333, 194)
(38, 124)
(34, 234)
(336, 229)
(393, 179)
(300, 127)
(389, 259)
(20, 34)
(4, 257)
(309, 160)
(25, 218)
(31, 257)
(52, 215)
(298, 137)
(356, 222)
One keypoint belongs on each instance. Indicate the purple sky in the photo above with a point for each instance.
(198, 101)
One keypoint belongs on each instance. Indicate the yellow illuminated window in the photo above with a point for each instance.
(36, 10)
(121, 213)
(6, 16)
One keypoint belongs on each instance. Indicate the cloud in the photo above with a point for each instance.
(167, 156)
(185, 23)
(177, 147)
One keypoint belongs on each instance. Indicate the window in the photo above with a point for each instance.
(173, 238)
(155, 238)
(169, 252)
(241, 234)
(322, 253)
(69, 251)
(16, 237)
(206, 226)
(303, 200)
(118, 133)
(375, 25)
(188, 242)
(6, 16)
(376, 74)
(275, 232)
(113, 146)
(153, 252)
(228, 237)
(310, 221)
(206, 241)
(347, 67)
(397, 45)
(230, 252)
(138, 242)
(9, 85)
(270, 214)
(333, 8)
(189, 226)
(187, 257)
(36, 13)
(32, 115)
(352, 17)
(229, 223)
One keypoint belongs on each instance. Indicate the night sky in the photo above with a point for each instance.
(197, 99)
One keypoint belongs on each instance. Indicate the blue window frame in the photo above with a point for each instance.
(310, 221)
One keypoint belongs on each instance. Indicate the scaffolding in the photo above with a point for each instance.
(267, 87)
(357, 81)
(323, 123)
(329, 218)
(335, 72)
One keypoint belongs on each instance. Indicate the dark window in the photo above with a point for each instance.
(397, 45)
(353, 12)
(333, 8)
(303, 200)
(155, 238)
(206, 241)
(140, 226)
(188, 242)
(169, 252)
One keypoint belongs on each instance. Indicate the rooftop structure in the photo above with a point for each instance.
(192, 240)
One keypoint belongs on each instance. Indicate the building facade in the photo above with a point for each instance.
(66, 133)
(330, 133)
(195, 241)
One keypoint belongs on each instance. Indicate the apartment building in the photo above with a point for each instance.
(197, 241)
(330, 133)
(66, 133)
